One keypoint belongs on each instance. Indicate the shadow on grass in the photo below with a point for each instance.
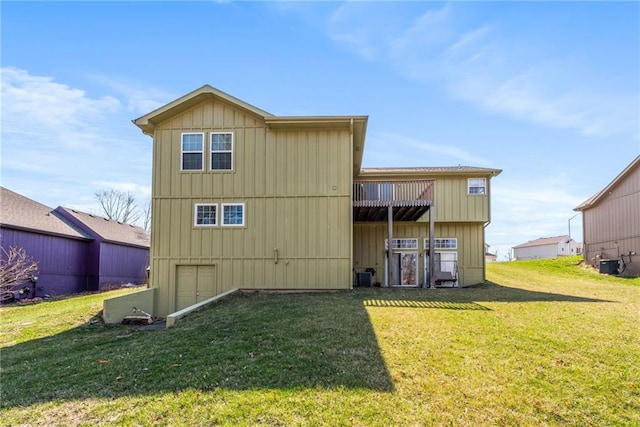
(459, 298)
(246, 342)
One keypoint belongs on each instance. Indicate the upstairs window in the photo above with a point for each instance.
(221, 151)
(233, 214)
(206, 215)
(477, 186)
(192, 151)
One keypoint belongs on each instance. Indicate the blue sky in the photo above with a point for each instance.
(547, 91)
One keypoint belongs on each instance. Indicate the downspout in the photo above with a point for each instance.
(351, 210)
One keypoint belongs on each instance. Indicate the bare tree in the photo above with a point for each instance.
(16, 267)
(146, 215)
(118, 205)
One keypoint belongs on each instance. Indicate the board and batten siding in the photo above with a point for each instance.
(296, 187)
(369, 247)
(612, 227)
(454, 204)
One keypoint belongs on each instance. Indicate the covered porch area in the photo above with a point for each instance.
(397, 254)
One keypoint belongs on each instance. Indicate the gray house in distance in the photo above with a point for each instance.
(611, 222)
(76, 252)
(547, 247)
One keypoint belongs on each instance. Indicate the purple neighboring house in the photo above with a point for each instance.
(76, 252)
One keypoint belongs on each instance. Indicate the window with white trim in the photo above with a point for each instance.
(205, 215)
(233, 214)
(192, 150)
(477, 186)
(221, 151)
(442, 243)
(402, 243)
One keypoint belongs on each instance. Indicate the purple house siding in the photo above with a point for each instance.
(122, 264)
(61, 260)
(118, 254)
(75, 251)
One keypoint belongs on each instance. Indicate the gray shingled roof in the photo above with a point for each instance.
(434, 170)
(17, 211)
(543, 241)
(110, 230)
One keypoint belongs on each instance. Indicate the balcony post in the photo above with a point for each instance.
(390, 245)
(432, 244)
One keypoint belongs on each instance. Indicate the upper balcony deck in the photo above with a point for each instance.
(409, 199)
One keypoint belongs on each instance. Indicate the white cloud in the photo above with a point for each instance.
(38, 106)
(364, 30)
(476, 64)
(409, 151)
(140, 98)
(59, 144)
(523, 211)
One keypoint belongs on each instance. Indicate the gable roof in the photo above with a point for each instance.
(107, 229)
(596, 198)
(543, 241)
(22, 213)
(148, 122)
(357, 124)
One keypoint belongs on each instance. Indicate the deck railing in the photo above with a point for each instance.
(385, 193)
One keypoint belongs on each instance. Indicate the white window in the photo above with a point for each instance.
(442, 243)
(192, 146)
(233, 214)
(206, 215)
(402, 243)
(477, 186)
(221, 151)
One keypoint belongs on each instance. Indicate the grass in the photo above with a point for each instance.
(544, 343)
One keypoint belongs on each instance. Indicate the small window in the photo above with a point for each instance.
(206, 215)
(221, 151)
(443, 243)
(477, 186)
(402, 243)
(233, 214)
(192, 151)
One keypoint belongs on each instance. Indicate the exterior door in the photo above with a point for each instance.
(194, 283)
(405, 272)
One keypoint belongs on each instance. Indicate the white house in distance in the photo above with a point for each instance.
(547, 247)
(488, 256)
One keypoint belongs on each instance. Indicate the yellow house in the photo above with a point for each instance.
(245, 199)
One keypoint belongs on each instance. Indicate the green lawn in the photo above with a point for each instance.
(544, 343)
